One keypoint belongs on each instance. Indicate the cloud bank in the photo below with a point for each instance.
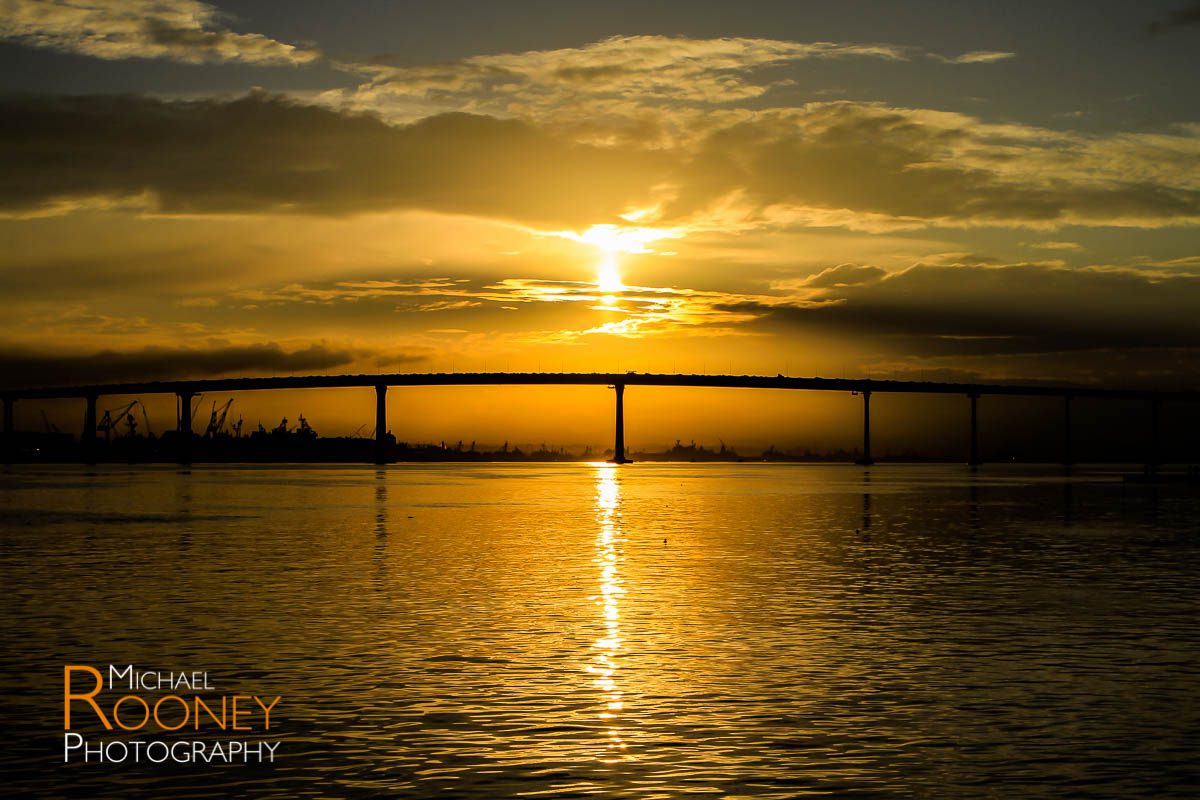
(973, 309)
(619, 75)
(265, 154)
(180, 30)
(860, 166)
(32, 368)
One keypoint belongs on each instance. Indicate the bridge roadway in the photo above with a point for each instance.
(187, 389)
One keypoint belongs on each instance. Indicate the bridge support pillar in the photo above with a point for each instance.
(10, 442)
(1153, 457)
(866, 459)
(381, 454)
(1067, 459)
(619, 442)
(88, 439)
(184, 456)
(973, 456)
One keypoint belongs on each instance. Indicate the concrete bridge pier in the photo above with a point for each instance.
(1067, 459)
(185, 428)
(88, 439)
(865, 459)
(619, 443)
(1153, 457)
(973, 459)
(10, 444)
(381, 454)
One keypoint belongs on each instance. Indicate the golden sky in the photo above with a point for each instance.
(911, 190)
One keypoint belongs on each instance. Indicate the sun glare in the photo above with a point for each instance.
(608, 274)
(613, 241)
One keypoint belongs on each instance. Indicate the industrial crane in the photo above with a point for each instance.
(216, 420)
(305, 429)
(107, 422)
(146, 419)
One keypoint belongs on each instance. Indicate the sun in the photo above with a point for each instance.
(612, 241)
(608, 273)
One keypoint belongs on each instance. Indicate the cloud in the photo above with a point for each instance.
(975, 310)
(954, 312)
(1179, 18)
(61, 278)
(21, 367)
(977, 57)
(874, 167)
(635, 312)
(448, 305)
(1068, 246)
(860, 166)
(641, 68)
(264, 154)
(179, 30)
(638, 70)
(632, 312)
(844, 275)
(953, 306)
(656, 90)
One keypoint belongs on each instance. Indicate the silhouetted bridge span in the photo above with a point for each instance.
(185, 390)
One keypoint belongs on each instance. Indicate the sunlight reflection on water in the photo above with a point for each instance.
(608, 557)
(596, 631)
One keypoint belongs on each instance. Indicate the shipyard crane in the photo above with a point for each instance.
(216, 420)
(146, 419)
(305, 429)
(237, 427)
(107, 422)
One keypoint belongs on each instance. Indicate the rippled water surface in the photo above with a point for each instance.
(645, 631)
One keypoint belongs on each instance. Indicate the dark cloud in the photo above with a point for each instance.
(965, 310)
(23, 368)
(844, 275)
(161, 270)
(840, 164)
(263, 153)
(908, 165)
(1179, 18)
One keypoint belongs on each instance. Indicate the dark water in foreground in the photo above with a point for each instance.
(654, 631)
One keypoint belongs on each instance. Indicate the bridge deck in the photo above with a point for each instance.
(579, 379)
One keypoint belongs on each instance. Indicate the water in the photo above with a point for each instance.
(586, 631)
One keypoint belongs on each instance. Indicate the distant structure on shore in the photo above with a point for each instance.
(300, 443)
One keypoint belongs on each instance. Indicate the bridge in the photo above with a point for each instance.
(185, 390)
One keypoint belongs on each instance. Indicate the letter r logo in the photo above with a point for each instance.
(87, 697)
